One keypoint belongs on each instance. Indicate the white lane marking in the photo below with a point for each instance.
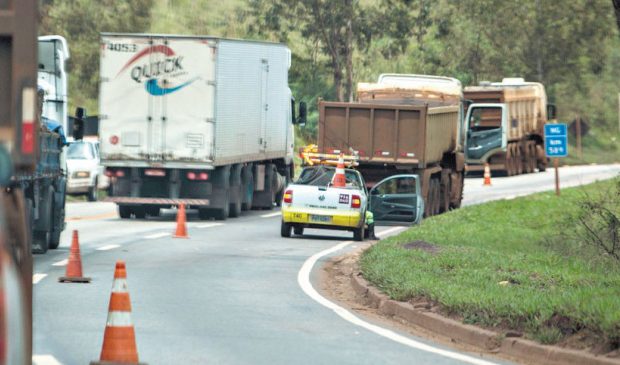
(303, 279)
(38, 277)
(61, 263)
(157, 235)
(108, 247)
(270, 215)
(44, 360)
(209, 225)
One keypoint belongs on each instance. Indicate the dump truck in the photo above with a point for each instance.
(514, 147)
(403, 124)
(19, 136)
(201, 121)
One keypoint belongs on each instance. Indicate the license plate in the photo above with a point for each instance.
(320, 218)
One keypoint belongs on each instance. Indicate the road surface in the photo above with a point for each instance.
(235, 292)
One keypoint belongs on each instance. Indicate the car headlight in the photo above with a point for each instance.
(81, 174)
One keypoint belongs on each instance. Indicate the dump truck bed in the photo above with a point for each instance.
(417, 136)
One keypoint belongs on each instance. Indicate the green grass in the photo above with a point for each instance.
(555, 285)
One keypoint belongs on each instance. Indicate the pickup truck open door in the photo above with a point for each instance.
(397, 199)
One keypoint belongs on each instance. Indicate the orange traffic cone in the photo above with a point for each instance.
(487, 175)
(119, 338)
(73, 274)
(181, 231)
(339, 180)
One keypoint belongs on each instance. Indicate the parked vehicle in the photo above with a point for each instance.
(201, 121)
(404, 124)
(514, 144)
(84, 170)
(312, 202)
(19, 144)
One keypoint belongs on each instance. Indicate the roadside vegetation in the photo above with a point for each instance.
(544, 266)
(336, 44)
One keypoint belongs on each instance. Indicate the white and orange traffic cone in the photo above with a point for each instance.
(487, 175)
(119, 338)
(73, 273)
(339, 180)
(181, 231)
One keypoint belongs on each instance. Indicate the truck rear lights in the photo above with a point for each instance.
(114, 139)
(201, 176)
(382, 153)
(407, 154)
(288, 196)
(335, 151)
(28, 116)
(356, 201)
(155, 172)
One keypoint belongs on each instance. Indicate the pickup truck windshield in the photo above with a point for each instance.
(80, 151)
(322, 176)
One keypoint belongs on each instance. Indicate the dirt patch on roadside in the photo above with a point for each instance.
(422, 245)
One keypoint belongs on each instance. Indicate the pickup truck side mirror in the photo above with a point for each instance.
(78, 124)
(303, 112)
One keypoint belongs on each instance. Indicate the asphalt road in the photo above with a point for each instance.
(235, 292)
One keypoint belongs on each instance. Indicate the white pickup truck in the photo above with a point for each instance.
(311, 202)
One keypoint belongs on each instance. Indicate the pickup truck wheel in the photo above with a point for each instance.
(285, 230)
(298, 230)
(124, 211)
(358, 234)
(92, 192)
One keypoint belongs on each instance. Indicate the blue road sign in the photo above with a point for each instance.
(556, 140)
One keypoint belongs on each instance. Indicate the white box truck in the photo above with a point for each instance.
(201, 121)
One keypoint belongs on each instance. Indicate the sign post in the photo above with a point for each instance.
(556, 145)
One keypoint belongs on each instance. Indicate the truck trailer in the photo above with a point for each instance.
(201, 121)
(518, 146)
(403, 124)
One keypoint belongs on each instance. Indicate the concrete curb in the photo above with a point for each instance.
(526, 350)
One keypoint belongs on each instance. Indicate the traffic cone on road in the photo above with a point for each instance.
(181, 231)
(487, 175)
(339, 180)
(119, 338)
(73, 274)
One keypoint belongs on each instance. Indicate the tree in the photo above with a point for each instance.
(81, 22)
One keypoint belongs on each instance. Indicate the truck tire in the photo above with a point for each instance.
(248, 192)
(285, 229)
(222, 213)
(298, 230)
(139, 212)
(56, 227)
(152, 211)
(234, 209)
(41, 238)
(124, 211)
(91, 196)
(358, 233)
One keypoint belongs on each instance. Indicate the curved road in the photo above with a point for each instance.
(229, 294)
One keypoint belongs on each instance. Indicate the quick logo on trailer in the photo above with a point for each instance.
(156, 74)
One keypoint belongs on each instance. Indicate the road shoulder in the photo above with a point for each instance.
(340, 280)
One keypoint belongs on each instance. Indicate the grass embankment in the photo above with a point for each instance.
(514, 264)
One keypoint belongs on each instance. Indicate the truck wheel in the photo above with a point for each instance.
(92, 193)
(139, 212)
(234, 208)
(124, 211)
(358, 233)
(41, 238)
(205, 214)
(222, 213)
(298, 230)
(285, 229)
(152, 211)
(248, 191)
